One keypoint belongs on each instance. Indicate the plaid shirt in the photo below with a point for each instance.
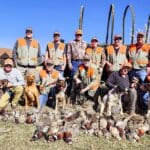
(76, 50)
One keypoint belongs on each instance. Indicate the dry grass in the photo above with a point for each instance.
(18, 137)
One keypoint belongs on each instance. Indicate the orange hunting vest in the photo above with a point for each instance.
(56, 55)
(87, 75)
(27, 55)
(95, 54)
(116, 60)
(139, 59)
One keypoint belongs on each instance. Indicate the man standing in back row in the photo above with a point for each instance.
(116, 54)
(97, 55)
(55, 51)
(139, 56)
(75, 54)
(76, 51)
(27, 52)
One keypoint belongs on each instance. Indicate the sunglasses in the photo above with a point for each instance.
(117, 39)
(49, 64)
(140, 37)
(7, 65)
(126, 69)
(94, 41)
(28, 31)
(56, 35)
(78, 34)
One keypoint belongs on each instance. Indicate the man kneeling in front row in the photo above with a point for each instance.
(121, 79)
(87, 75)
(14, 86)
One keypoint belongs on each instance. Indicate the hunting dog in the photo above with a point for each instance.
(31, 93)
(110, 100)
(60, 95)
(3, 86)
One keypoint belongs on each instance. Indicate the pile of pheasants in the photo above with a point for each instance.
(66, 125)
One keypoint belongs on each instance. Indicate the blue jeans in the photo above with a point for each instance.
(44, 98)
(75, 65)
(58, 68)
(146, 97)
(140, 74)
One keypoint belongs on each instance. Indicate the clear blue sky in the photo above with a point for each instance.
(47, 16)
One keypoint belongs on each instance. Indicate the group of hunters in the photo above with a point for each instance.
(96, 68)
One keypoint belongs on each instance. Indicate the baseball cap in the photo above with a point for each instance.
(141, 34)
(56, 33)
(29, 29)
(78, 31)
(127, 65)
(8, 61)
(49, 62)
(117, 36)
(94, 39)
